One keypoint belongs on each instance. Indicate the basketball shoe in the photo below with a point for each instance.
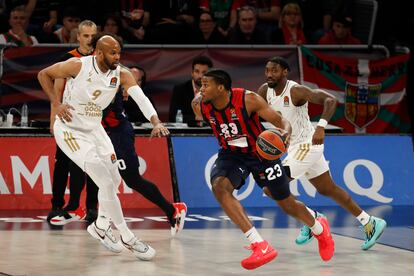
(64, 217)
(325, 241)
(106, 237)
(262, 254)
(140, 249)
(305, 236)
(373, 230)
(178, 218)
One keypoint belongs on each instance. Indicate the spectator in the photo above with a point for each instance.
(268, 13)
(112, 25)
(247, 32)
(290, 30)
(224, 13)
(172, 21)
(340, 32)
(17, 33)
(208, 32)
(43, 18)
(68, 32)
(184, 93)
(135, 18)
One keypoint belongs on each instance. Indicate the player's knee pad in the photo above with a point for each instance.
(113, 167)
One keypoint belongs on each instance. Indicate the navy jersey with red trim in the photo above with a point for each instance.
(234, 129)
(114, 115)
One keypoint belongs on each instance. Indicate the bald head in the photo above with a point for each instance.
(107, 42)
(108, 52)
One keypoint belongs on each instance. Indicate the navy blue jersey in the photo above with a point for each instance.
(232, 125)
(114, 115)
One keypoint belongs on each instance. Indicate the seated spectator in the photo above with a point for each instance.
(172, 21)
(246, 31)
(42, 15)
(340, 32)
(17, 35)
(290, 30)
(184, 93)
(135, 18)
(224, 13)
(268, 13)
(68, 32)
(112, 25)
(208, 32)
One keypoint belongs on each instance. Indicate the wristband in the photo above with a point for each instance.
(322, 123)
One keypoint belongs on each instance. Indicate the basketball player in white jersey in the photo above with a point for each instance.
(92, 82)
(305, 154)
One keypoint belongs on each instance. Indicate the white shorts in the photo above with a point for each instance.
(80, 146)
(306, 160)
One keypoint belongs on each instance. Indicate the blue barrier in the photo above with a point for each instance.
(375, 170)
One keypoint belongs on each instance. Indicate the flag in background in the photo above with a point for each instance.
(371, 93)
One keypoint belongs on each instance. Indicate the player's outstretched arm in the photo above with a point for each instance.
(136, 93)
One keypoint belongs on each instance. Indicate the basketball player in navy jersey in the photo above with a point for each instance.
(305, 154)
(233, 114)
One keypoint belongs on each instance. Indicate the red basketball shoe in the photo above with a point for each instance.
(178, 217)
(325, 242)
(262, 254)
(68, 216)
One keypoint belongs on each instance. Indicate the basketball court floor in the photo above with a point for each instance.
(209, 245)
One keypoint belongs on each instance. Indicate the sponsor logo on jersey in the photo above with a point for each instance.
(113, 158)
(286, 101)
(233, 114)
(113, 82)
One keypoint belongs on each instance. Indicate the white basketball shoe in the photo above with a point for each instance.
(106, 237)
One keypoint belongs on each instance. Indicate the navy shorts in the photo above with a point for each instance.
(237, 167)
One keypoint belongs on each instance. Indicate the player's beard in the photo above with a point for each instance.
(111, 66)
(272, 84)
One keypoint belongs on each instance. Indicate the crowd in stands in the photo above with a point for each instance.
(28, 22)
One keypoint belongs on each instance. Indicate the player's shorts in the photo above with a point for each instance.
(237, 167)
(80, 146)
(306, 160)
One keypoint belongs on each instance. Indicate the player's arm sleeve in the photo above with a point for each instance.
(142, 101)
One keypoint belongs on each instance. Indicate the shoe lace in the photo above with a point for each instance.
(305, 231)
(110, 234)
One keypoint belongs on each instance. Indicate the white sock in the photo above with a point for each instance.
(126, 234)
(363, 218)
(313, 213)
(317, 228)
(253, 236)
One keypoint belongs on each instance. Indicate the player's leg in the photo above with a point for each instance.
(91, 200)
(276, 185)
(123, 141)
(103, 169)
(229, 173)
(321, 178)
(72, 211)
(60, 179)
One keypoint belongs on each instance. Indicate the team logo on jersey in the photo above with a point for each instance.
(233, 114)
(113, 82)
(286, 101)
(362, 103)
(113, 158)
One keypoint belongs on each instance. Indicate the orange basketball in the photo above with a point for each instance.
(270, 144)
